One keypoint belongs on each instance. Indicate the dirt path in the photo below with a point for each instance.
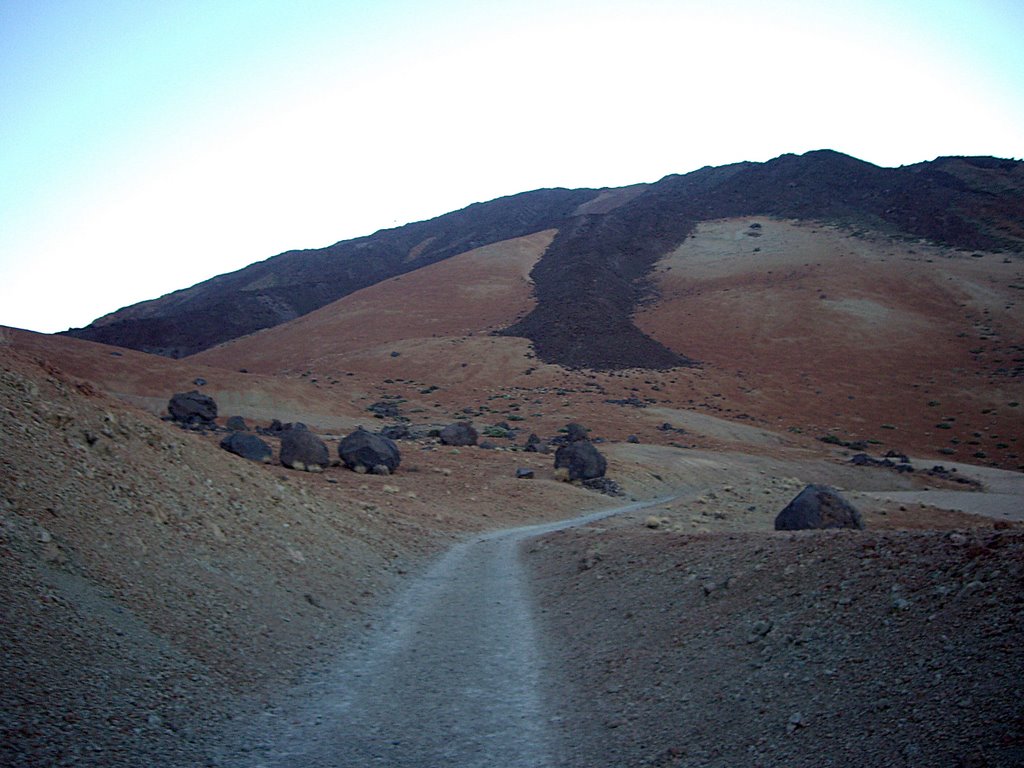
(451, 678)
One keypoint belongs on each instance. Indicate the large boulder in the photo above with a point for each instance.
(192, 408)
(302, 450)
(582, 460)
(459, 433)
(365, 451)
(248, 446)
(818, 506)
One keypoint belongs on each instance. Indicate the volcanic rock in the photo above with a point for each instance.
(369, 451)
(237, 424)
(248, 446)
(459, 433)
(575, 432)
(818, 506)
(192, 408)
(582, 460)
(302, 450)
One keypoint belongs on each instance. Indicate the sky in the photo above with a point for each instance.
(146, 146)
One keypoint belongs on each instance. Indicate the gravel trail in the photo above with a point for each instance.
(451, 678)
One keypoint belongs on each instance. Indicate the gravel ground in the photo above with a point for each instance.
(157, 592)
(808, 649)
(451, 676)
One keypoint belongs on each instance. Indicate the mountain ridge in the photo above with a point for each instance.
(593, 275)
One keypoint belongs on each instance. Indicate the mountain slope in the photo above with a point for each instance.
(594, 274)
(295, 283)
(591, 279)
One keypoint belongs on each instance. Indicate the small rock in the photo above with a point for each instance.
(523, 473)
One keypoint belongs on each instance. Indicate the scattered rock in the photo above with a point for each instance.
(533, 444)
(385, 410)
(369, 451)
(632, 439)
(192, 409)
(304, 451)
(396, 432)
(459, 433)
(524, 474)
(604, 485)
(248, 446)
(815, 507)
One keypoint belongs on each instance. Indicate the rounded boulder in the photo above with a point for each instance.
(816, 507)
(459, 433)
(364, 451)
(302, 450)
(581, 460)
(248, 446)
(192, 408)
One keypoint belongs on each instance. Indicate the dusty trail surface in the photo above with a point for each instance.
(451, 678)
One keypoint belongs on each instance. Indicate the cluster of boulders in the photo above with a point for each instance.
(300, 448)
(576, 459)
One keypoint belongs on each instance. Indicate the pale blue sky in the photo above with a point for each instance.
(146, 146)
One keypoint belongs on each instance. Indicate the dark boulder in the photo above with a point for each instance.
(459, 433)
(248, 446)
(582, 460)
(364, 451)
(192, 408)
(818, 506)
(302, 450)
(237, 424)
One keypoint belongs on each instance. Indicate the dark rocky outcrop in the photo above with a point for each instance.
(366, 452)
(582, 460)
(302, 450)
(297, 282)
(818, 506)
(192, 409)
(459, 433)
(248, 446)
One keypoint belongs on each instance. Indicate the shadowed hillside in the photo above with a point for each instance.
(295, 283)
